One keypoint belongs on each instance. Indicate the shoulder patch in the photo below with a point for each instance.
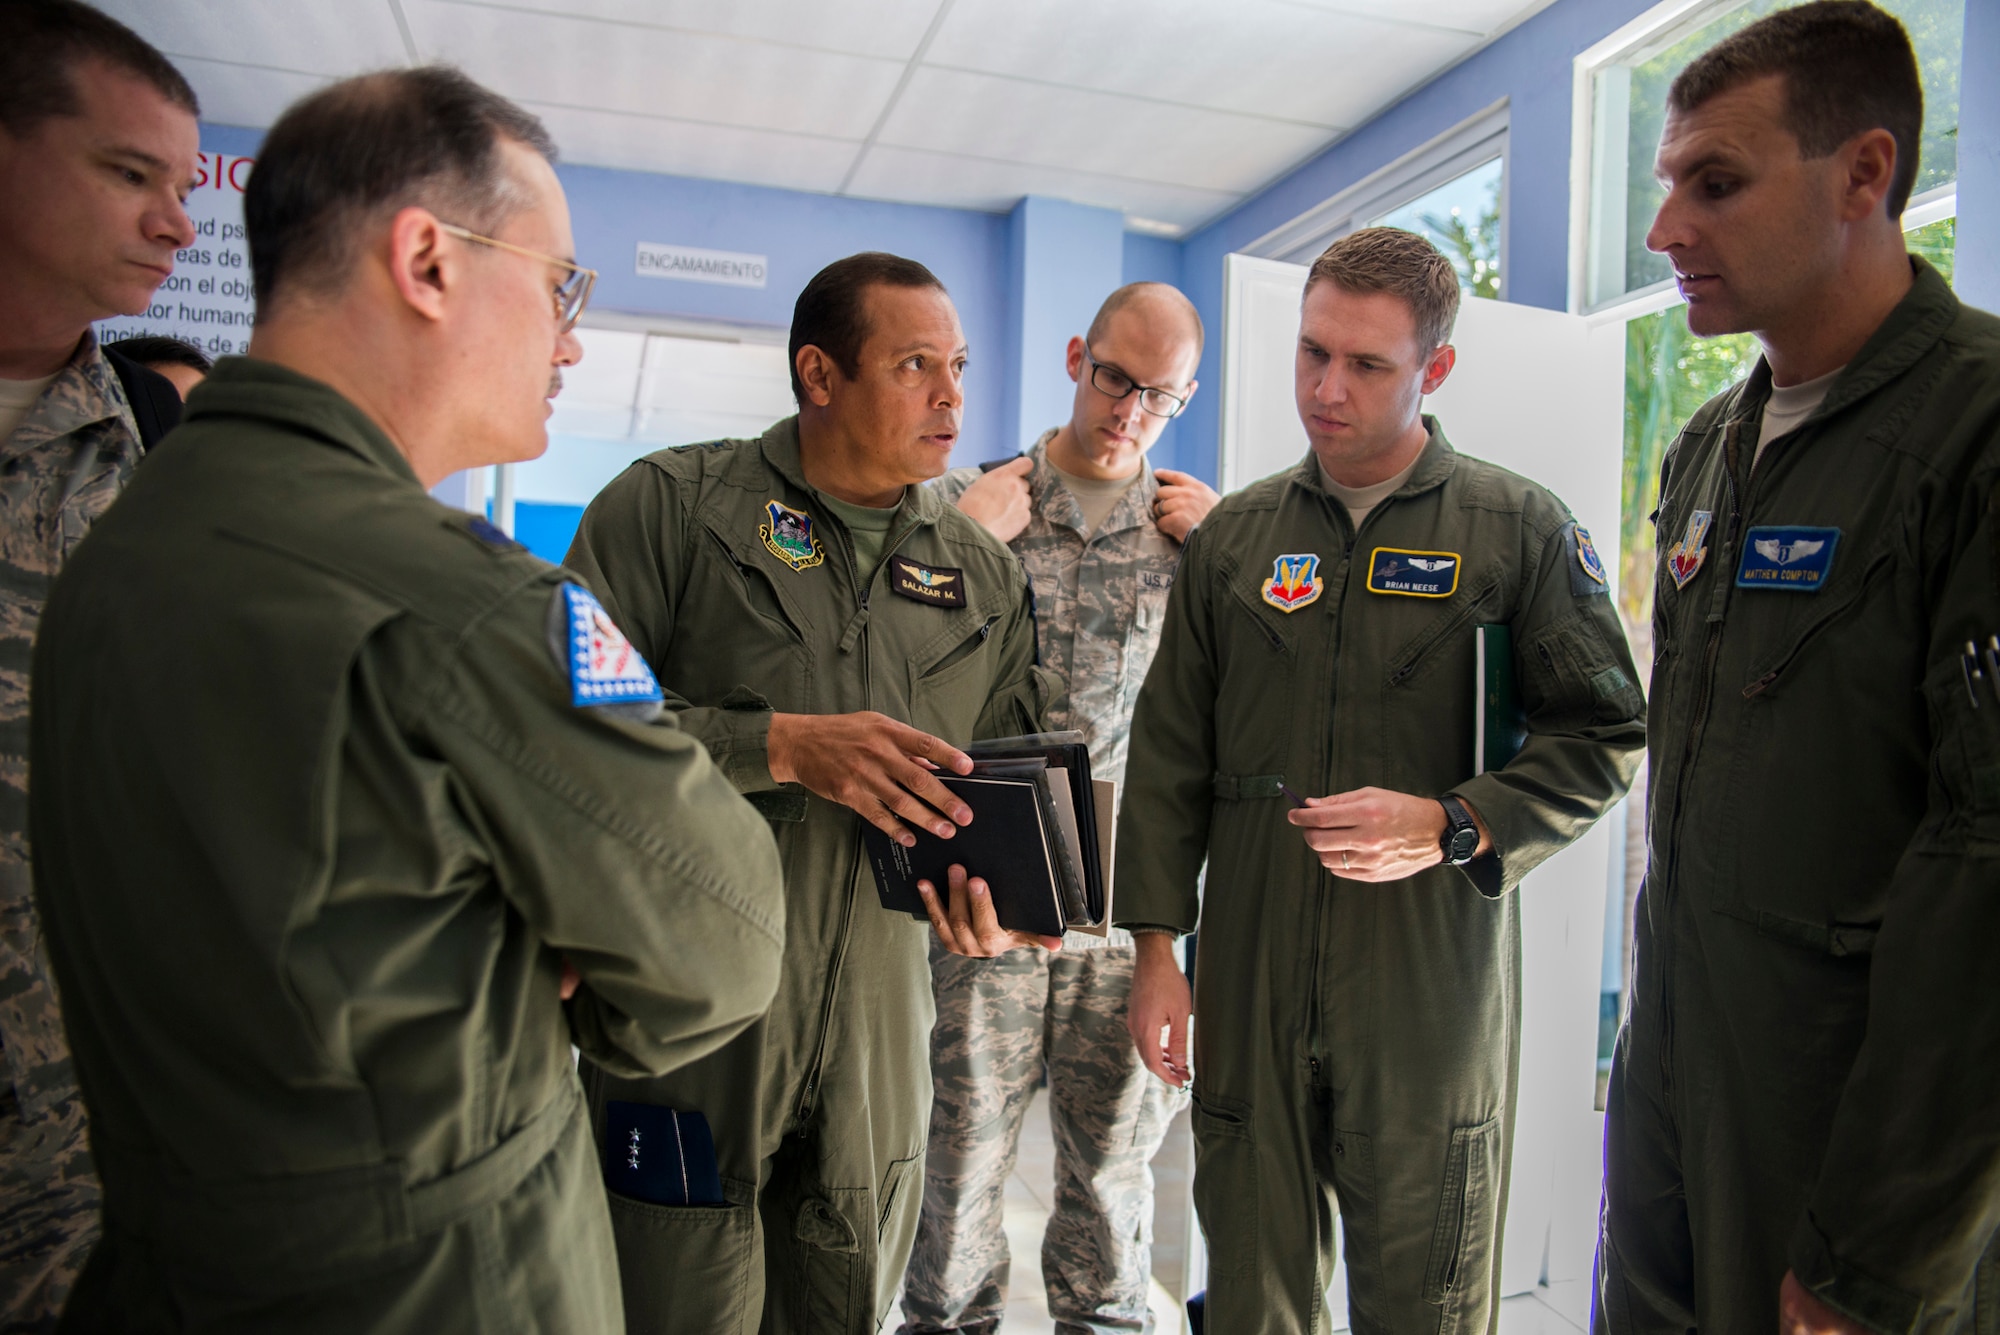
(1586, 569)
(603, 666)
(483, 529)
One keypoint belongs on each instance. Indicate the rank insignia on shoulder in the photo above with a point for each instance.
(486, 531)
(604, 668)
(789, 535)
(939, 586)
(1684, 558)
(1413, 574)
(1586, 568)
(1796, 560)
(1294, 581)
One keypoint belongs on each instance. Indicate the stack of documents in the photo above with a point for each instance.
(1040, 837)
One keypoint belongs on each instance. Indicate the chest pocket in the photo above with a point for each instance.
(765, 649)
(951, 673)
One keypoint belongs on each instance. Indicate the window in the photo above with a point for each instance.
(1453, 190)
(1625, 101)
(1462, 219)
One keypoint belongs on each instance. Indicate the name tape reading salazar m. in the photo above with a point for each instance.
(694, 265)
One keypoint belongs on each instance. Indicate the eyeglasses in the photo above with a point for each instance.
(1115, 384)
(570, 298)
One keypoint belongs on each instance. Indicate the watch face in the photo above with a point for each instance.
(1464, 843)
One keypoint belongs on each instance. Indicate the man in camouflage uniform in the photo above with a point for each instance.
(98, 141)
(1100, 536)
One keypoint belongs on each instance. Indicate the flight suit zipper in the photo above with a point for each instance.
(1697, 728)
(858, 629)
(1324, 884)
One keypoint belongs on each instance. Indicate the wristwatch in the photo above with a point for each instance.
(1461, 836)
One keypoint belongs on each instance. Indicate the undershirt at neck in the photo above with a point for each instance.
(17, 398)
(1790, 406)
(1096, 497)
(1360, 500)
(868, 527)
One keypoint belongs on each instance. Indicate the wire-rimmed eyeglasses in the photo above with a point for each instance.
(570, 297)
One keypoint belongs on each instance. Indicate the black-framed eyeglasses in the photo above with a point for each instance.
(1114, 384)
(573, 294)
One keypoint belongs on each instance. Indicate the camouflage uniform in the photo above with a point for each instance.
(62, 466)
(1099, 601)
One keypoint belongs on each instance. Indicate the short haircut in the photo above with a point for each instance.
(41, 44)
(1126, 295)
(156, 350)
(1403, 264)
(365, 147)
(1848, 68)
(831, 315)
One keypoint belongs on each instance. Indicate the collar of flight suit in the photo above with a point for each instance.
(1435, 465)
(1911, 330)
(780, 447)
(245, 387)
(1054, 502)
(85, 392)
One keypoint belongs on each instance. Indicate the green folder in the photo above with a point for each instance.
(1498, 726)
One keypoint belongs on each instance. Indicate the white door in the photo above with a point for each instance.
(1538, 392)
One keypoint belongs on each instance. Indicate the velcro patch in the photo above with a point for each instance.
(1586, 569)
(604, 667)
(487, 532)
(1796, 560)
(939, 586)
(1413, 574)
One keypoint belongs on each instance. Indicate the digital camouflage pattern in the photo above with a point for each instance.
(65, 462)
(1099, 602)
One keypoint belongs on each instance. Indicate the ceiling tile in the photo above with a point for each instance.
(890, 28)
(722, 81)
(244, 94)
(326, 37)
(1010, 121)
(1263, 56)
(719, 153)
(921, 177)
(1484, 17)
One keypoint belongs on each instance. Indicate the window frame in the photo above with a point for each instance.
(1467, 146)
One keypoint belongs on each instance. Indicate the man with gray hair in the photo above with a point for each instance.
(1358, 985)
(387, 790)
(98, 145)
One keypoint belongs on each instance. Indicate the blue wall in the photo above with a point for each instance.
(1977, 263)
(1063, 259)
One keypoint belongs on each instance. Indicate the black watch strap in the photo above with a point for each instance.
(1460, 842)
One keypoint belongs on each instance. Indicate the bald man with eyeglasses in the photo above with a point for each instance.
(1100, 533)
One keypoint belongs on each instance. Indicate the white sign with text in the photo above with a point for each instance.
(693, 265)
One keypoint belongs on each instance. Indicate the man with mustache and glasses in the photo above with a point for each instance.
(1803, 1127)
(833, 631)
(331, 780)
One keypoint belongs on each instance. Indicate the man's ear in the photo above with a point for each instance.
(422, 265)
(1870, 160)
(1073, 358)
(1187, 395)
(816, 373)
(1439, 367)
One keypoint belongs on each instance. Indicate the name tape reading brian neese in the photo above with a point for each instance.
(694, 265)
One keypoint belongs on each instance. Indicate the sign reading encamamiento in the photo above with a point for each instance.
(693, 265)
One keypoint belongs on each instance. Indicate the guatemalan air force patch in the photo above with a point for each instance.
(605, 672)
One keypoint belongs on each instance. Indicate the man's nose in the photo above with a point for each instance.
(569, 349)
(173, 224)
(1669, 227)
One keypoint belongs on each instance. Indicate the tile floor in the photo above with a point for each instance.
(1562, 1309)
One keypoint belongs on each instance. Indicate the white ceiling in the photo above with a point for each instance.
(1169, 110)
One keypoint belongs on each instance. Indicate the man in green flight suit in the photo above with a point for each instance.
(1803, 1126)
(330, 780)
(832, 630)
(1357, 986)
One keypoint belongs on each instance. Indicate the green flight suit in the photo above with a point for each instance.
(1809, 1074)
(740, 587)
(314, 814)
(1360, 1041)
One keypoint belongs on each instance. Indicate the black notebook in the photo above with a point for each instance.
(1033, 838)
